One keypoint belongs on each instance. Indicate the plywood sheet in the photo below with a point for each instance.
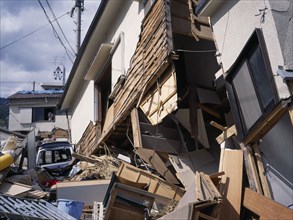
(13, 189)
(231, 184)
(84, 191)
(264, 207)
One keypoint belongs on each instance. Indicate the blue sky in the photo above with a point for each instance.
(36, 56)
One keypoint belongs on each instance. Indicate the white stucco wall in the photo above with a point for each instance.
(82, 110)
(128, 21)
(15, 123)
(233, 24)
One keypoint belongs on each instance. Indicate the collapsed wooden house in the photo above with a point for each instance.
(177, 107)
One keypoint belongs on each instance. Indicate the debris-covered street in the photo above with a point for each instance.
(174, 109)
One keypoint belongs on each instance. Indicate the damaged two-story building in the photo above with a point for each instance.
(174, 83)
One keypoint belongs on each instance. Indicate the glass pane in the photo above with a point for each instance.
(38, 114)
(246, 95)
(261, 79)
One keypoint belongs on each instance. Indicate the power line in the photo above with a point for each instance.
(13, 42)
(27, 82)
(59, 26)
(56, 33)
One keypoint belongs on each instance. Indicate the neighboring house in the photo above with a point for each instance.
(30, 110)
(147, 65)
(255, 41)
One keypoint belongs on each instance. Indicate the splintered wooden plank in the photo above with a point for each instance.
(264, 207)
(231, 184)
(261, 171)
(136, 128)
(251, 170)
(202, 31)
(227, 133)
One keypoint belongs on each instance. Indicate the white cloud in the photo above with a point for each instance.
(34, 58)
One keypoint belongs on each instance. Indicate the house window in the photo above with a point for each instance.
(251, 84)
(25, 115)
(44, 114)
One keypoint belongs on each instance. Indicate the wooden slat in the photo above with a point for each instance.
(136, 128)
(231, 184)
(261, 172)
(85, 158)
(264, 207)
(251, 169)
(226, 134)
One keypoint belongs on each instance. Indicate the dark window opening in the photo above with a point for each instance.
(44, 114)
(104, 90)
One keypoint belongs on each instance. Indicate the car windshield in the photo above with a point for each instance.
(48, 156)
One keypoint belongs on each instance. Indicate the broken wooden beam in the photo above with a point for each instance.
(261, 171)
(251, 170)
(264, 207)
(231, 184)
(226, 132)
(136, 128)
(86, 158)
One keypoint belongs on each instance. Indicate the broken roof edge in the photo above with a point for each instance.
(61, 105)
(12, 133)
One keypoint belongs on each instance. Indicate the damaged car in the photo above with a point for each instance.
(55, 157)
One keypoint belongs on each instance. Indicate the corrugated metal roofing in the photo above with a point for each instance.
(16, 208)
(37, 94)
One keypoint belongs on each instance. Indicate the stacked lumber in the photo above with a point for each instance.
(88, 139)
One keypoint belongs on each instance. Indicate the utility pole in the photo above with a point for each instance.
(63, 76)
(79, 6)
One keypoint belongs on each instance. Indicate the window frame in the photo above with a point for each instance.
(255, 41)
(44, 111)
